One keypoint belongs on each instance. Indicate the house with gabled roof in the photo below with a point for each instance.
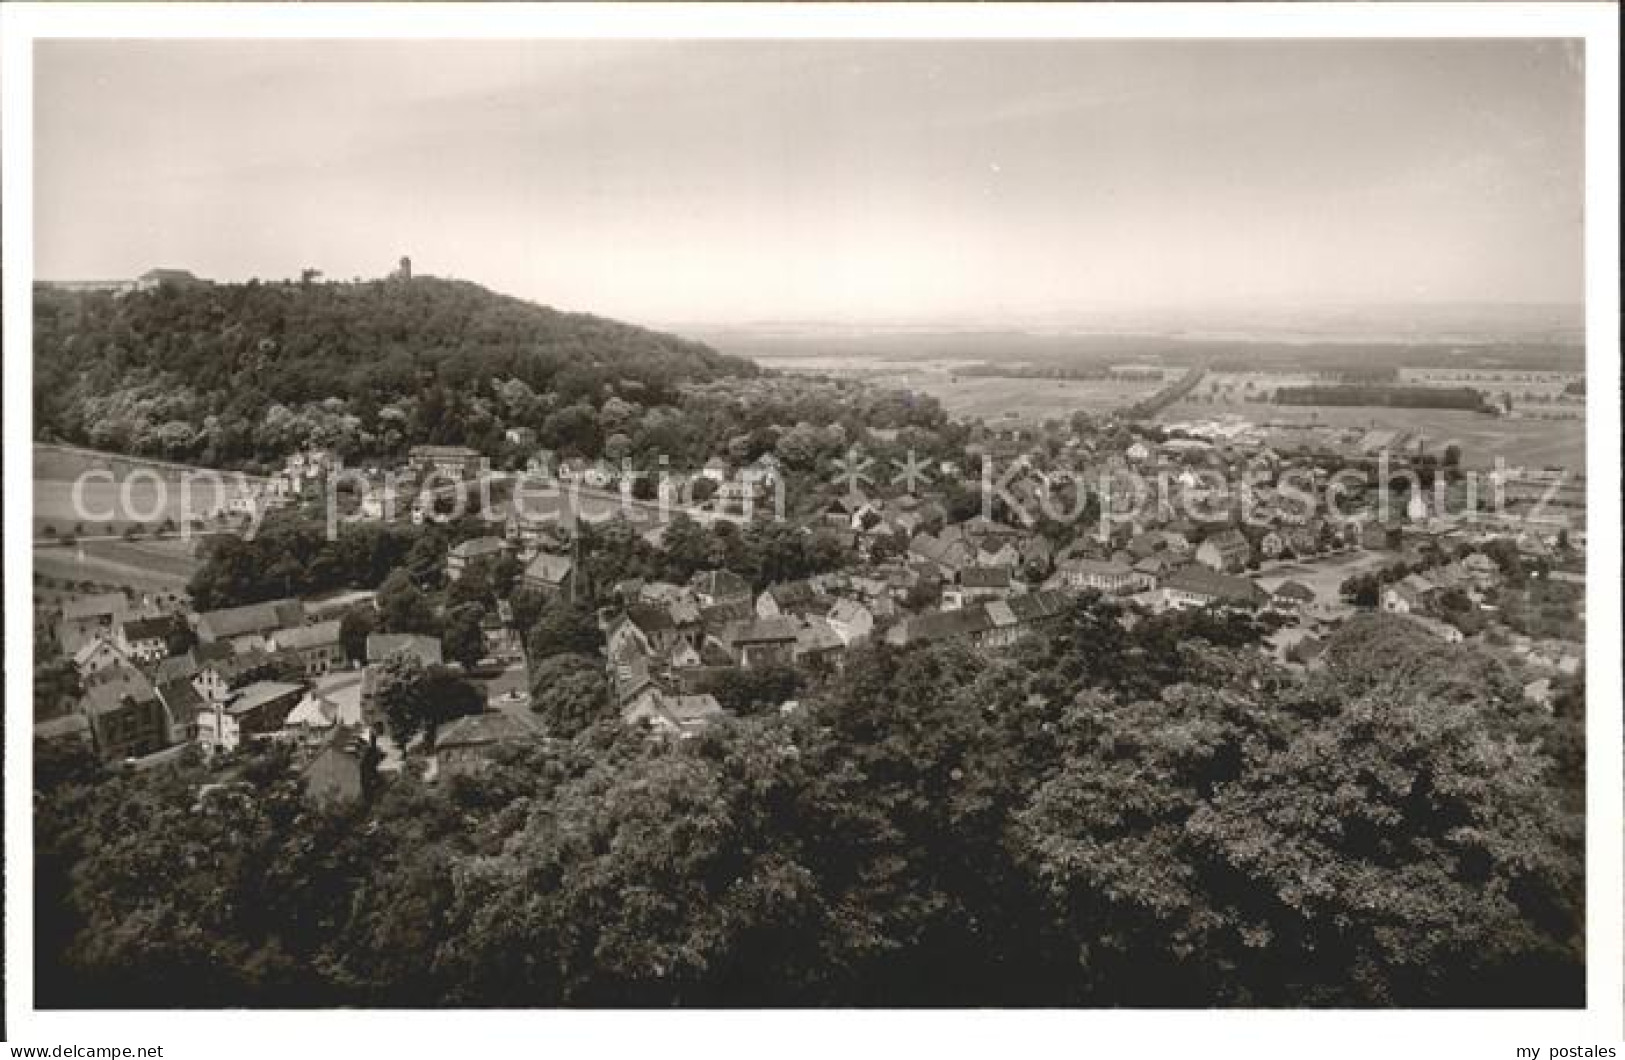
(1292, 595)
(802, 597)
(218, 676)
(345, 769)
(850, 620)
(425, 649)
(817, 641)
(1083, 573)
(1159, 565)
(127, 719)
(87, 618)
(549, 573)
(1226, 551)
(761, 641)
(147, 639)
(254, 711)
(1199, 586)
(460, 555)
(249, 627)
(463, 745)
(712, 587)
(948, 554)
(317, 647)
(977, 584)
(97, 654)
(672, 716)
(1410, 595)
(181, 706)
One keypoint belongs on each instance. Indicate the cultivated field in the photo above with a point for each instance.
(1521, 442)
(69, 490)
(160, 566)
(1028, 400)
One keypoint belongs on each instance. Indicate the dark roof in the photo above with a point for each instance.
(256, 695)
(175, 668)
(204, 653)
(180, 699)
(251, 618)
(760, 631)
(233, 667)
(113, 687)
(985, 577)
(1201, 580)
(491, 727)
(650, 618)
(722, 613)
(151, 626)
(1035, 607)
(939, 625)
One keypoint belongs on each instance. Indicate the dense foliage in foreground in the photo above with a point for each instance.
(1153, 816)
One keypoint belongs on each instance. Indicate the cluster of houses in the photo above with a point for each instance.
(664, 641)
(153, 682)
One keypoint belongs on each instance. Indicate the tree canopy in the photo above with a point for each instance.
(1146, 813)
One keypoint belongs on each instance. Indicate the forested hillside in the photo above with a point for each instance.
(230, 374)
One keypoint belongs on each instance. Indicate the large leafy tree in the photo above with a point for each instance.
(1128, 810)
(569, 691)
(563, 627)
(404, 608)
(417, 699)
(464, 638)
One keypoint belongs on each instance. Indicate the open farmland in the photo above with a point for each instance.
(1521, 442)
(71, 488)
(1026, 399)
(155, 566)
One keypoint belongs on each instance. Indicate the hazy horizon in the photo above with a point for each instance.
(1018, 184)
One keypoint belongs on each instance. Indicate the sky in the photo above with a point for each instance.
(749, 181)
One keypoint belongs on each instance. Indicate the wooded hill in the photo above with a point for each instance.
(191, 372)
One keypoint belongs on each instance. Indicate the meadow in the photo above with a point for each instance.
(1521, 442)
(1022, 399)
(147, 566)
(70, 490)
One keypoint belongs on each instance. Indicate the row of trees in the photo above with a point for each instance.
(1407, 397)
(1104, 816)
